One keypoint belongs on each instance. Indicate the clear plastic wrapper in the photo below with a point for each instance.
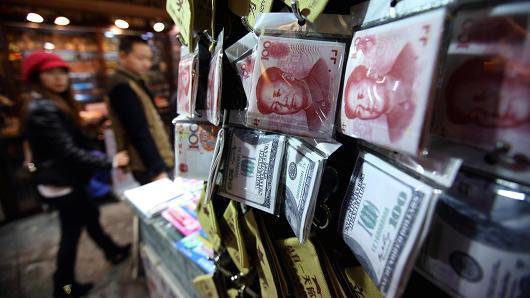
(295, 85)
(242, 55)
(215, 76)
(385, 226)
(252, 167)
(485, 98)
(438, 167)
(479, 245)
(194, 148)
(504, 167)
(187, 84)
(386, 98)
(379, 11)
(300, 182)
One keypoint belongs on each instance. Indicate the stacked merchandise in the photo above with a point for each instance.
(381, 151)
(171, 235)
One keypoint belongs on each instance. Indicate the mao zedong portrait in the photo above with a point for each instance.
(371, 94)
(489, 92)
(184, 84)
(279, 92)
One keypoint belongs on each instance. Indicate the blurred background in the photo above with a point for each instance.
(86, 35)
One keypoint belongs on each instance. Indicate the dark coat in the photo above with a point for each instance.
(60, 149)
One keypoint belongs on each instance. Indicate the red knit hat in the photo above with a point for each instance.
(39, 61)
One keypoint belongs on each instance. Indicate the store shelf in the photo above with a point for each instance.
(159, 235)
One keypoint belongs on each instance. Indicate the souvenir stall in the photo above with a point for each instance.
(348, 149)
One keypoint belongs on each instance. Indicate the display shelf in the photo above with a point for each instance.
(161, 282)
(158, 234)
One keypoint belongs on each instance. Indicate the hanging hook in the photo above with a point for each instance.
(500, 155)
(246, 24)
(181, 39)
(209, 37)
(297, 13)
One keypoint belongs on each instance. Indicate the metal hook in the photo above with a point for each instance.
(393, 3)
(246, 24)
(499, 155)
(209, 37)
(297, 13)
(181, 39)
(316, 221)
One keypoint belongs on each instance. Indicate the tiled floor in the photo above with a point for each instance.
(27, 257)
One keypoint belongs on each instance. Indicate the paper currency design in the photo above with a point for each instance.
(295, 84)
(185, 96)
(213, 105)
(384, 226)
(486, 94)
(388, 81)
(252, 168)
(300, 184)
(474, 254)
(213, 97)
(194, 146)
(245, 68)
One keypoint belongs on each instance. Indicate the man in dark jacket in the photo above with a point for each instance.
(136, 123)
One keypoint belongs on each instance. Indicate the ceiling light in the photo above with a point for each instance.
(61, 21)
(121, 24)
(159, 27)
(49, 46)
(115, 31)
(34, 17)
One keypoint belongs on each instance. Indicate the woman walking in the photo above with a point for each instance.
(64, 165)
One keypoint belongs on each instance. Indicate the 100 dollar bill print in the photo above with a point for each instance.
(252, 168)
(488, 254)
(382, 225)
(300, 184)
(295, 84)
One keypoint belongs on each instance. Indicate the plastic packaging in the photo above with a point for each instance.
(241, 55)
(252, 163)
(489, 248)
(295, 85)
(485, 98)
(386, 98)
(300, 182)
(187, 84)
(436, 166)
(215, 77)
(194, 147)
(386, 216)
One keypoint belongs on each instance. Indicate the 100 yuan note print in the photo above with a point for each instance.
(185, 96)
(295, 84)
(485, 99)
(252, 168)
(388, 81)
(383, 225)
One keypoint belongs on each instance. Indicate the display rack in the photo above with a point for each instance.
(394, 203)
